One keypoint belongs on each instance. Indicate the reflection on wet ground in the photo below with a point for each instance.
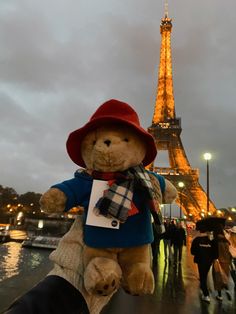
(20, 269)
(176, 292)
(15, 259)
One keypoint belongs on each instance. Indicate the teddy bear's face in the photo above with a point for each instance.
(112, 148)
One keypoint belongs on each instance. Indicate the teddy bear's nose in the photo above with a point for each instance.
(107, 142)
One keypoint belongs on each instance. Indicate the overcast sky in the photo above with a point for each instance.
(60, 59)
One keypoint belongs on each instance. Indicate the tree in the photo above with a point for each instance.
(7, 196)
(30, 201)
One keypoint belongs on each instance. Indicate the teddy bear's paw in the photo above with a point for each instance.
(53, 201)
(102, 276)
(139, 281)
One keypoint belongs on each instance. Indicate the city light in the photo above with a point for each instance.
(207, 156)
(40, 224)
(19, 216)
(181, 184)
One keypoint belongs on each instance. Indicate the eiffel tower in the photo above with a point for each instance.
(166, 130)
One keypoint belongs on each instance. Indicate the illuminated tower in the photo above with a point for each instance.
(166, 129)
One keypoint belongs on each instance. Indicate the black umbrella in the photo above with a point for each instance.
(201, 226)
(210, 223)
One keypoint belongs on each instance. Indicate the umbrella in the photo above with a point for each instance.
(210, 223)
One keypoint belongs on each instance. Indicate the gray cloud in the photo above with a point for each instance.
(59, 60)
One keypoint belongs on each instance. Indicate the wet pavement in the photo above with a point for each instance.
(176, 291)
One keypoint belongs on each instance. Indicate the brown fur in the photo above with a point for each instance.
(106, 269)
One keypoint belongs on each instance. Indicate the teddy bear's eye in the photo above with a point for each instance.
(94, 142)
(126, 139)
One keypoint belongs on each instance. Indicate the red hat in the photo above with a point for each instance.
(111, 111)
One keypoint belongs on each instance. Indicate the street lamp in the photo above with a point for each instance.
(207, 157)
(170, 212)
(181, 186)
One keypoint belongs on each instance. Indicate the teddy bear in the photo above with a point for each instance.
(119, 196)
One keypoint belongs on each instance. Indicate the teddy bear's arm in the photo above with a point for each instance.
(67, 194)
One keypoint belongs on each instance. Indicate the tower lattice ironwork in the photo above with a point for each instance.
(166, 129)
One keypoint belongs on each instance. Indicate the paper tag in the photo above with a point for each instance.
(98, 189)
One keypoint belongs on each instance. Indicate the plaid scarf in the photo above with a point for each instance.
(116, 201)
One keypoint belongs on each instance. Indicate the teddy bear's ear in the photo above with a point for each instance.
(53, 201)
(170, 193)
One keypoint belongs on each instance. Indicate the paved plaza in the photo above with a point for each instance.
(176, 292)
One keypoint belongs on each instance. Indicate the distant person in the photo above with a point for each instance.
(178, 241)
(225, 259)
(172, 228)
(231, 237)
(155, 245)
(166, 237)
(205, 252)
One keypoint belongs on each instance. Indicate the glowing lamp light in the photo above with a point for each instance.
(207, 156)
(181, 184)
(19, 216)
(40, 224)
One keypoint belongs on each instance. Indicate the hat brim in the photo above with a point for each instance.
(75, 139)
